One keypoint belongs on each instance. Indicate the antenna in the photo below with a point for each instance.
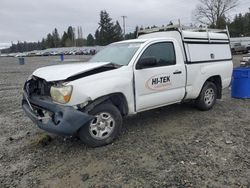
(228, 33)
(124, 25)
(208, 36)
(180, 29)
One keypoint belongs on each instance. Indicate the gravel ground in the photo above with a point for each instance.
(174, 146)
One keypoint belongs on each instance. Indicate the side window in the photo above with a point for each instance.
(163, 52)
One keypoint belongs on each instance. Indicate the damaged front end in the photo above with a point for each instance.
(48, 115)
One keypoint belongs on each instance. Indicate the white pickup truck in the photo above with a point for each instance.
(160, 68)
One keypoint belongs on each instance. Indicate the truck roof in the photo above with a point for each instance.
(185, 32)
(133, 40)
(187, 35)
(204, 35)
(143, 40)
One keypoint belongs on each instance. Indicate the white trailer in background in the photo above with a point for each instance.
(240, 44)
(245, 41)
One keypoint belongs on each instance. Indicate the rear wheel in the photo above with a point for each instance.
(104, 128)
(207, 97)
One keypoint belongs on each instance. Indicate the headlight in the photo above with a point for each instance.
(61, 94)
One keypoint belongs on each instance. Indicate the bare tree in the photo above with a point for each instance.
(213, 12)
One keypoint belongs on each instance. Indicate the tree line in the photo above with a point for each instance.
(240, 26)
(109, 31)
(215, 14)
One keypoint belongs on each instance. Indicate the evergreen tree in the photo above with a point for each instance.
(107, 31)
(49, 41)
(81, 42)
(71, 35)
(64, 39)
(97, 37)
(56, 38)
(43, 44)
(23, 47)
(240, 26)
(221, 22)
(106, 28)
(118, 34)
(90, 40)
(247, 24)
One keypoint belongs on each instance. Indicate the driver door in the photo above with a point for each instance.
(160, 82)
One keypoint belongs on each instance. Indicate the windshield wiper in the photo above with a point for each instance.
(115, 65)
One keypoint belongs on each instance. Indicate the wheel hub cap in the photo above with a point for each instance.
(209, 96)
(102, 126)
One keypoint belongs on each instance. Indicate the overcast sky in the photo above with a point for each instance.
(30, 20)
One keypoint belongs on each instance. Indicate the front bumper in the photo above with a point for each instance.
(63, 120)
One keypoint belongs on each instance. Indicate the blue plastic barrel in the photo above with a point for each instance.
(62, 57)
(241, 83)
(21, 61)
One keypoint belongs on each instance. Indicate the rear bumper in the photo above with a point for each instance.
(64, 120)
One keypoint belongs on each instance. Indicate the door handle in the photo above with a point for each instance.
(177, 72)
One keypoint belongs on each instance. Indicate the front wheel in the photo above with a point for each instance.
(104, 128)
(207, 97)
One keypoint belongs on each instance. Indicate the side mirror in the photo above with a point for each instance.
(146, 62)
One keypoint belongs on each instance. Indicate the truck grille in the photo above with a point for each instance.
(37, 86)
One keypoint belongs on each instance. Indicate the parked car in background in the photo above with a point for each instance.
(92, 52)
(31, 54)
(246, 58)
(238, 48)
(53, 53)
(80, 52)
(40, 53)
(248, 48)
(46, 54)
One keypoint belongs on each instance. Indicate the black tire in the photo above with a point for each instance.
(202, 102)
(88, 136)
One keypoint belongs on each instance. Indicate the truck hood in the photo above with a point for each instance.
(62, 72)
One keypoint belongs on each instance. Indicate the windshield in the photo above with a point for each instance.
(120, 53)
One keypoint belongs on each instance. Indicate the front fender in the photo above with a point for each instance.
(95, 86)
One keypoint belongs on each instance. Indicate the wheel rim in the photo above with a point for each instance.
(102, 126)
(209, 96)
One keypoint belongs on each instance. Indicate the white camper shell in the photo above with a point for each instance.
(198, 47)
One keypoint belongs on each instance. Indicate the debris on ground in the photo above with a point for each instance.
(174, 146)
